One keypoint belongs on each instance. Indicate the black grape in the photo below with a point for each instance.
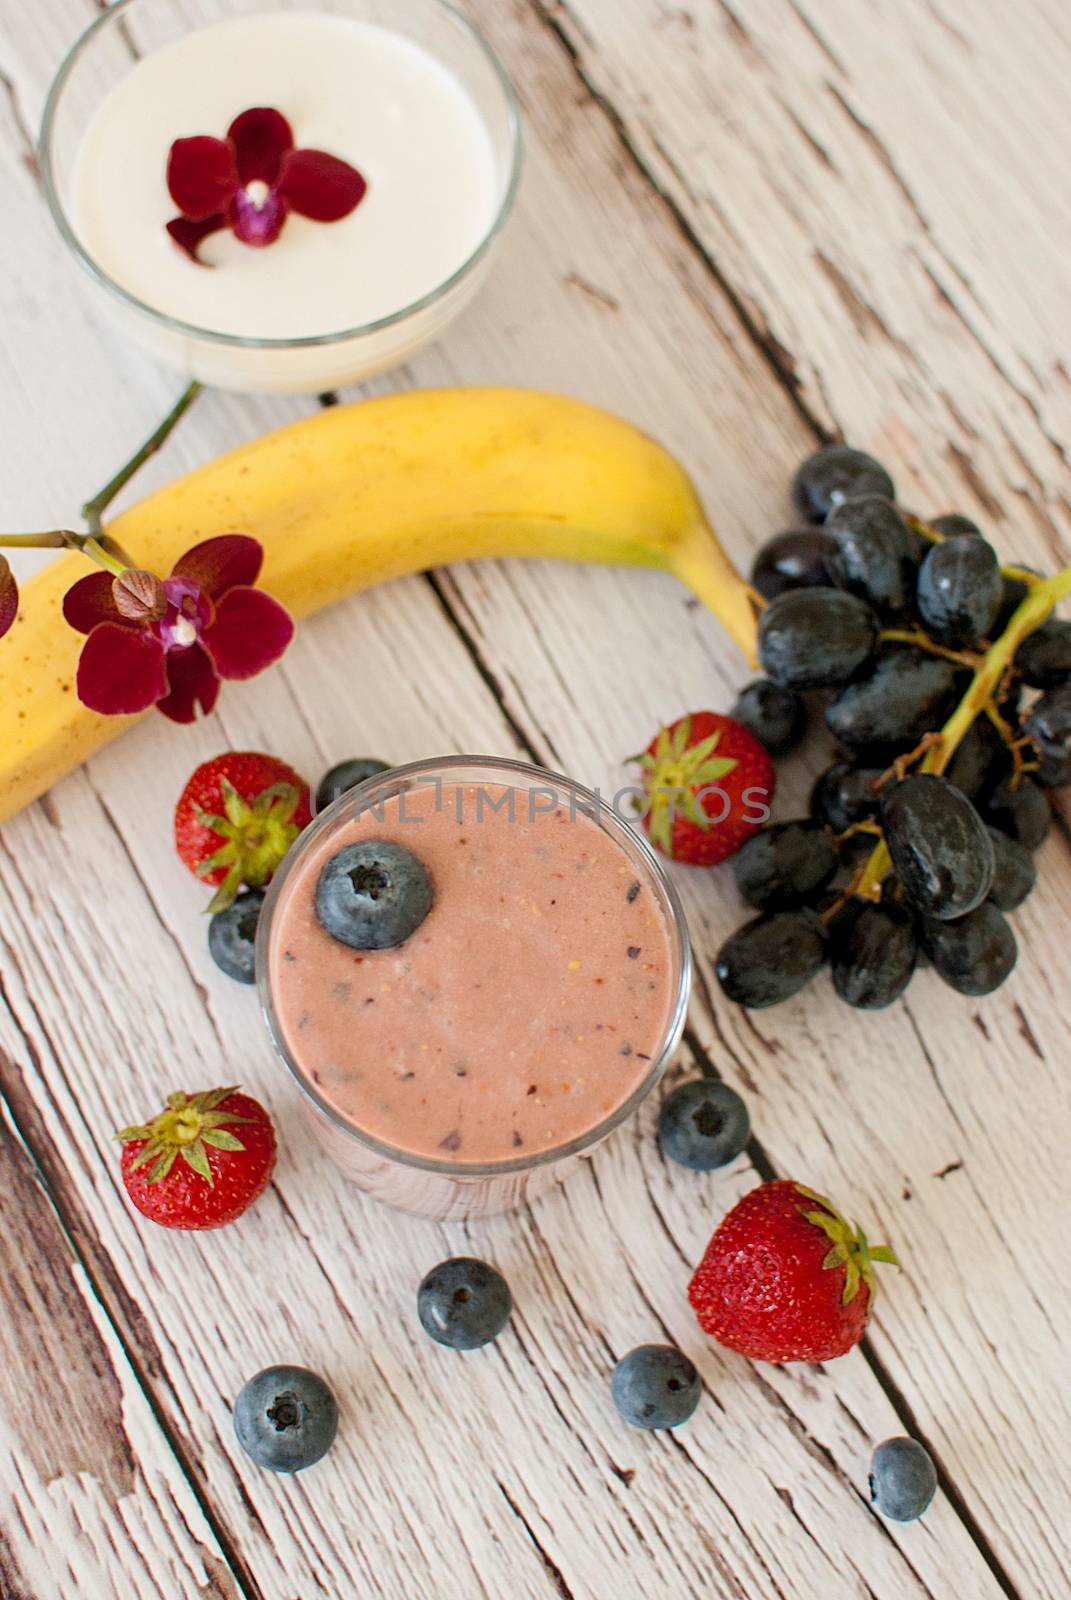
(1023, 811)
(951, 525)
(795, 559)
(1015, 874)
(816, 638)
(941, 850)
(1053, 774)
(959, 591)
(1049, 724)
(773, 713)
(1044, 657)
(784, 865)
(1013, 594)
(874, 957)
(836, 474)
(843, 795)
(905, 695)
(772, 957)
(974, 954)
(873, 555)
(980, 760)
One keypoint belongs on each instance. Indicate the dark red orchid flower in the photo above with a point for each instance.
(9, 597)
(251, 180)
(168, 642)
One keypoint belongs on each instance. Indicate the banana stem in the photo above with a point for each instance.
(701, 564)
(1034, 610)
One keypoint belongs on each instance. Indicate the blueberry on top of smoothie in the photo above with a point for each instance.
(373, 895)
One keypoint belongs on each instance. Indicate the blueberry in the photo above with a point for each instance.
(703, 1125)
(795, 559)
(775, 715)
(655, 1386)
(903, 1479)
(373, 895)
(232, 936)
(285, 1418)
(346, 776)
(836, 474)
(464, 1303)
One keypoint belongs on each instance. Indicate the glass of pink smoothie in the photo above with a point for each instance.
(519, 1024)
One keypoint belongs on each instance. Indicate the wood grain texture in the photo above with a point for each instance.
(943, 1122)
(92, 1499)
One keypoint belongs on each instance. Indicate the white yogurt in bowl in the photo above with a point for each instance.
(419, 107)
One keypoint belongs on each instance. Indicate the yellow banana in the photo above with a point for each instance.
(358, 494)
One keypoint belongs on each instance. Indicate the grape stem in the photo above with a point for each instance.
(988, 675)
(922, 641)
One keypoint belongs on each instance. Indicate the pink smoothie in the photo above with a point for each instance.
(524, 1010)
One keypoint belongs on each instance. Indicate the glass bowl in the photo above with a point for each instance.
(447, 1188)
(129, 30)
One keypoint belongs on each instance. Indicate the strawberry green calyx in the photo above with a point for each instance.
(850, 1247)
(190, 1123)
(675, 777)
(256, 833)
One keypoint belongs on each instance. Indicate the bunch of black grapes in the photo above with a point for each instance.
(961, 844)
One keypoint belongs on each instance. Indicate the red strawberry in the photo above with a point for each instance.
(189, 1168)
(236, 819)
(709, 784)
(785, 1278)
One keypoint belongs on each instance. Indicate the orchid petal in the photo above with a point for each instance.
(91, 601)
(254, 222)
(192, 681)
(261, 138)
(9, 597)
(250, 631)
(188, 235)
(320, 186)
(226, 562)
(121, 670)
(202, 175)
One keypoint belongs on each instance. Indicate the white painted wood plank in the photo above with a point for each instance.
(92, 1500)
(881, 188)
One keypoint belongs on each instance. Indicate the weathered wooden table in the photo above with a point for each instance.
(748, 225)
